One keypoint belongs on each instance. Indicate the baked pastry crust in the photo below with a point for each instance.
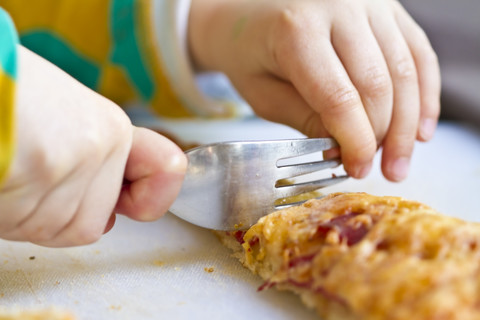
(359, 256)
(44, 314)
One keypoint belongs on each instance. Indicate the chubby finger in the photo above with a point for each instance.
(280, 102)
(154, 171)
(428, 72)
(321, 79)
(399, 142)
(73, 210)
(363, 60)
(94, 214)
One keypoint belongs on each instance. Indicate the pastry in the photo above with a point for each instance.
(44, 314)
(355, 256)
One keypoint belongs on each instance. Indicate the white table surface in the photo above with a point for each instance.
(157, 270)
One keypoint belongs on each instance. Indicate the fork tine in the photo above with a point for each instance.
(286, 191)
(286, 149)
(304, 146)
(295, 170)
(233, 183)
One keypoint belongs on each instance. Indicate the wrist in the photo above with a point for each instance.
(210, 29)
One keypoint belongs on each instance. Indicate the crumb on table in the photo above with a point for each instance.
(159, 263)
(209, 269)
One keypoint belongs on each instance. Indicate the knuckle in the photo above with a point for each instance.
(119, 129)
(121, 122)
(93, 140)
(290, 20)
(48, 166)
(429, 56)
(288, 28)
(420, 34)
(422, 37)
(425, 51)
(404, 69)
(377, 83)
(90, 155)
(342, 100)
(111, 129)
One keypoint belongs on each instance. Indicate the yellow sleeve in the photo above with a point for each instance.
(8, 72)
(123, 49)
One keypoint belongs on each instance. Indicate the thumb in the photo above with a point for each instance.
(153, 176)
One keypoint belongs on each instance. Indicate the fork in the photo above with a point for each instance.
(230, 185)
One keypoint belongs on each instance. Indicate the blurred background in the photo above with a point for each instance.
(454, 31)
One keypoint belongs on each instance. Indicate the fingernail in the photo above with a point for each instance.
(427, 128)
(177, 163)
(399, 168)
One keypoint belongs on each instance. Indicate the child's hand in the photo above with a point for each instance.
(72, 150)
(361, 71)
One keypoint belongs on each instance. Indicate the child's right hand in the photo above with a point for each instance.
(361, 71)
(74, 150)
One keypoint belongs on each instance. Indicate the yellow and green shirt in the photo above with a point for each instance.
(130, 51)
(8, 73)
